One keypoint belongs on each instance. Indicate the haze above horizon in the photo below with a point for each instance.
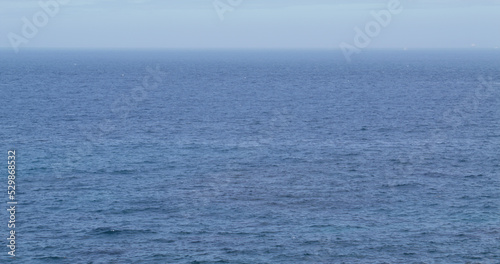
(245, 24)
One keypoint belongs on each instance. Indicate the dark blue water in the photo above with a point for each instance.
(253, 157)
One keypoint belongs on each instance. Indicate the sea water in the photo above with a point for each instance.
(252, 156)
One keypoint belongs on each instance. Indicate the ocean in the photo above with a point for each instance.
(252, 156)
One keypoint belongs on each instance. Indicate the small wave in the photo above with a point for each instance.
(113, 231)
(51, 258)
(401, 184)
(124, 171)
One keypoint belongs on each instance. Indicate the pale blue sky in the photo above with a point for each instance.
(253, 24)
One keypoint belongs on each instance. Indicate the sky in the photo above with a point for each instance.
(249, 24)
